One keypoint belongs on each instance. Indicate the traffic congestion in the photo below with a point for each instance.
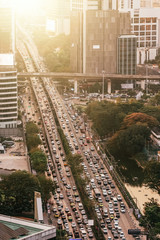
(65, 208)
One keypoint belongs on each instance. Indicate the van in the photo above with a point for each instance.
(84, 234)
(115, 202)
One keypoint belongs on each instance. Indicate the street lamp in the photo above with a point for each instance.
(103, 72)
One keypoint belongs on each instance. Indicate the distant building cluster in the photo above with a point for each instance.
(98, 24)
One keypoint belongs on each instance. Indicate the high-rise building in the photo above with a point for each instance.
(86, 5)
(94, 44)
(150, 3)
(8, 73)
(145, 22)
(127, 54)
(58, 16)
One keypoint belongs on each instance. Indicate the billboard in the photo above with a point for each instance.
(127, 86)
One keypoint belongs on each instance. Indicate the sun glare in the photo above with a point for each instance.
(26, 6)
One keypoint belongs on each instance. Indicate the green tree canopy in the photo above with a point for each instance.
(32, 141)
(153, 111)
(47, 187)
(106, 116)
(38, 161)
(155, 101)
(18, 192)
(129, 141)
(31, 128)
(151, 218)
(152, 175)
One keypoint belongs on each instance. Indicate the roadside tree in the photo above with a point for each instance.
(152, 175)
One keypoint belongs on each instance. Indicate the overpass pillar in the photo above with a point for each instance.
(143, 82)
(75, 86)
(109, 87)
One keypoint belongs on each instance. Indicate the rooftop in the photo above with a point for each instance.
(7, 59)
(14, 228)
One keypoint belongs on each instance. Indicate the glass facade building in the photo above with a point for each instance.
(127, 54)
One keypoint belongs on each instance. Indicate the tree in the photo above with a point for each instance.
(38, 161)
(153, 111)
(17, 190)
(129, 141)
(31, 128)
(136, 118)
(152, 175)
(155, 101)
(151, 218)
(47, 187)
(106, 117)
(32, 141)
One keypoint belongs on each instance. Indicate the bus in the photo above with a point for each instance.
(97, 193)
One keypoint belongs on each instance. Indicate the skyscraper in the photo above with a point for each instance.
(8, 73)
(94, 44)
(127, 54)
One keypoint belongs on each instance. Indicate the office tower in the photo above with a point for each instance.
(94, 44)
(8, 73)
(86, 4)
(146, 26)
(127, 54)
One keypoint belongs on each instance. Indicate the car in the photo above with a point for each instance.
(123, 210)
(77, 199)
(56, 215)
(90, 234)
(102, 225)
(105, 231)
(109, 238)
(61, 196)
(115, 235)
(70, 218)
(117, 215)
(121, 234)
(119, 198)
(66, 209)
(119, 229)
(79, 220)
(73, 224)
(83, 212)
(76, 234)
(59, 221)
(109, 226)
(107, 199)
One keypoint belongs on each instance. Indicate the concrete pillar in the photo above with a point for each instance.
(143, 83)
(75, 86)
(109, 89)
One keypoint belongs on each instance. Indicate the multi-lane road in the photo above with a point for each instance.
(65, 208)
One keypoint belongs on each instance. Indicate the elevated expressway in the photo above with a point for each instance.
(93, 77)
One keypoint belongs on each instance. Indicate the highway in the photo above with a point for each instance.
(89, 77)
(114, 216)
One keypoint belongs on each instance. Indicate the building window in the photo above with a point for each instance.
(154, 20)
(153, 27)
(136, 28)
(148, 27)
(142, 20)
(136, 20)
(142, 28)
(148, 20)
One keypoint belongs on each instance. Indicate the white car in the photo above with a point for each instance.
(123, 210)
(121, 234)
